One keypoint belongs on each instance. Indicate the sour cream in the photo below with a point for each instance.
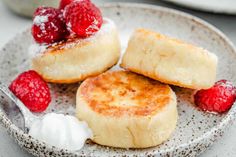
(62, 131)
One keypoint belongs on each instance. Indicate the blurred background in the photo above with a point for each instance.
(15, 16)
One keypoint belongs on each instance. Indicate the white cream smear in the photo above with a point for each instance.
(62, 131)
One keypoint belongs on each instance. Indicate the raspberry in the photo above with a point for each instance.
(64, 3)
(83, 18)
(218, 98)
(32, 90)
(48, 26)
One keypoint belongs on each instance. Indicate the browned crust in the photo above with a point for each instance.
(149, 96)
(67, 44)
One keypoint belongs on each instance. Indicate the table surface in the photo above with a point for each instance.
(10, 24)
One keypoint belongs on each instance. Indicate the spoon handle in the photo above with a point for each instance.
(28, 116)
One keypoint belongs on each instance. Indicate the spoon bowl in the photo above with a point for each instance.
(13, 107)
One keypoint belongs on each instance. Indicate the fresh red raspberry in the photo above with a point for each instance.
(64, 3)
(48, 25)
(32, 90)
(218, 98)
(83, 18)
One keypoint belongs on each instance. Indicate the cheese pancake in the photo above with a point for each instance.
(127, 110)
(76, 59)
(170, 60)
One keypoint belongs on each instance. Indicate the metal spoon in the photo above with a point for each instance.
(29, 118)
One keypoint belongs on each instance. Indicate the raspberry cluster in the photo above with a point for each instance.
(78, 17)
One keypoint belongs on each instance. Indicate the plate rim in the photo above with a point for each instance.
(202, 7)
(229, 117)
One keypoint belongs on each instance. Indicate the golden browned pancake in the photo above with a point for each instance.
(127, 110)
(76, 59)
(170, 60)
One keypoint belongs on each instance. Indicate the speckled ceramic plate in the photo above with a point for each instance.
(214, 6)
(195, 131)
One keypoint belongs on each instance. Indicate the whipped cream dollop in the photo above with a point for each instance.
(62, 131)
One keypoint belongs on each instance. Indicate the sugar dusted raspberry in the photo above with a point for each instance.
(83, 18)
(48, 25)
(218, 98)
(32, 90)
(64, 3)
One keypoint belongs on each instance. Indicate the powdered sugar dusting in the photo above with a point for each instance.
(39, 20)
(108, 25)
(36, 49)
(69, 27)
(92, 27)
